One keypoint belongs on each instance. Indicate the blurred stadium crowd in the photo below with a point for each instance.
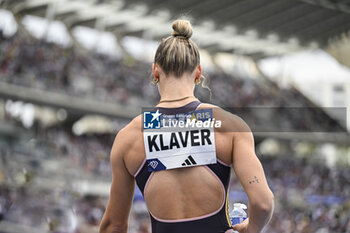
(41, 65)
(42, 179)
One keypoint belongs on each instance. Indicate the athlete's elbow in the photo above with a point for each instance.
(265, 204)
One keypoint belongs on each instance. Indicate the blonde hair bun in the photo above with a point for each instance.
(182, 28)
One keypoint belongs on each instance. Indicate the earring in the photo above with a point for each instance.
(155, 80)
(197, 81)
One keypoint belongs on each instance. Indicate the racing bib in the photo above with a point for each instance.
(180, 140)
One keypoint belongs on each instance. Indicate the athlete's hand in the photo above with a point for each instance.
(242, 227)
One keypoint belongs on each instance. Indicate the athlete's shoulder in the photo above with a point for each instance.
(132, 128)
(134, 125)
(129, 133)
(230, 121)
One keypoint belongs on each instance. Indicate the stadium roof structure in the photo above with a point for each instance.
(257, 28)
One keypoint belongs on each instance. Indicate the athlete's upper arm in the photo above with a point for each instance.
(116, 216)
(248, 167)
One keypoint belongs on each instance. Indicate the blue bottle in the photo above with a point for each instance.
(238, 215)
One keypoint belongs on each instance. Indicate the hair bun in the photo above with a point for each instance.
(182, 28)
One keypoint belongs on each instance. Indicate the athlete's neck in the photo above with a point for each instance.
(173, 88)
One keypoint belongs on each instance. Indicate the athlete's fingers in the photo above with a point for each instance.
(241, 227)
(238, 227)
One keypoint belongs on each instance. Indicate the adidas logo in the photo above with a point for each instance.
(189, 161)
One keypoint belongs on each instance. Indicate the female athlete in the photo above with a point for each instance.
(190, 199)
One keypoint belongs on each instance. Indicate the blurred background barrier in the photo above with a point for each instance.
(73, 73)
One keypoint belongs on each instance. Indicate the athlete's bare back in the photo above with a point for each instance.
(186, 192)
(183, 192)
